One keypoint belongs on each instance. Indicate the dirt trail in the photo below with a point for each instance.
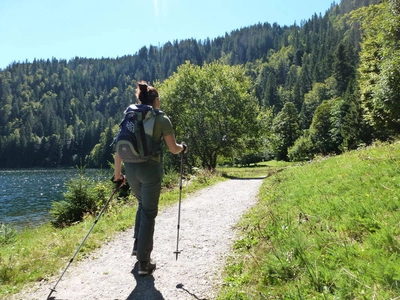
(206, 236)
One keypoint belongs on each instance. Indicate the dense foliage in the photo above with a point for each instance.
(213, 111)
(380, 66)
(58, 113)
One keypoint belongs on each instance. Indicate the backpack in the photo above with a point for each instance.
(134, 142)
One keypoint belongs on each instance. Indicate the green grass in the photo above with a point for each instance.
(323, 230)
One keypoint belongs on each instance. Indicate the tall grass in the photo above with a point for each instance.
(323, 230)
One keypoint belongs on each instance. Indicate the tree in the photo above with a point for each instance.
(285, 130)
(102, 154)
(343, 70)
(302, 149)
(320, 129)
(312, 100)
(380, 67)
(212, 110)
(346, 120)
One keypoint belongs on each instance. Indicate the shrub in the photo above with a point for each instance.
(6, 233)
(83, 196)
(301, 150)
(170, 179)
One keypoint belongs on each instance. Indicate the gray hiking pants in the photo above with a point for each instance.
(145, 182)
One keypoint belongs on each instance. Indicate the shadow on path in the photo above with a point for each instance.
(181, 286)
(145, 288)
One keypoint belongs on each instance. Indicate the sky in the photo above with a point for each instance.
(64, 29)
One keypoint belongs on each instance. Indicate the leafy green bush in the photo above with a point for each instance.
(7, 233)
(84, 196)
(170, 179)
(301, 150)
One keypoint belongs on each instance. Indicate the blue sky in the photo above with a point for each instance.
(64, 29)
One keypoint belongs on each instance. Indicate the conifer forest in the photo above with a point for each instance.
(327, 85)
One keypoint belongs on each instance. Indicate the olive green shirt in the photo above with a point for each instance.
(162, 127)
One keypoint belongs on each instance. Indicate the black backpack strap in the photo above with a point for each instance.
(141, 134)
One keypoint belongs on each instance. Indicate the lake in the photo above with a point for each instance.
(26, 195)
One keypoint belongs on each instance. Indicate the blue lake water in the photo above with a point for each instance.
(26, 195)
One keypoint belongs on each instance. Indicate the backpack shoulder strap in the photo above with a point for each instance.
(158, 111)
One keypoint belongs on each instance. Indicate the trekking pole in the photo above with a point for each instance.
(177, 252)
(77, 250)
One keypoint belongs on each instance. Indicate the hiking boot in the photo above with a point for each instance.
(146, 267)
(134, 250)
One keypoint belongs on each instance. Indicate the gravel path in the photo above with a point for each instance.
(206, 236)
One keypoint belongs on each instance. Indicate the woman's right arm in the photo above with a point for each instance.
(117, 167)
(172, 145)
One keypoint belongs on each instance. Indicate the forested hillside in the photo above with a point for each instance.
(331, 83)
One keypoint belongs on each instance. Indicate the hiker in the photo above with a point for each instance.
(145, 177)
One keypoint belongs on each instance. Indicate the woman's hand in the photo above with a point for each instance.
(185, 147)
(119, 180)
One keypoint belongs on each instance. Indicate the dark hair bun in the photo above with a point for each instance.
(143, 87)
(145, 93)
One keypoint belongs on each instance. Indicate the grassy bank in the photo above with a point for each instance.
(323, 230)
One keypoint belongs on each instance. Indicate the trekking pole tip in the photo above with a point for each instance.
(177, 253)
(51, 292)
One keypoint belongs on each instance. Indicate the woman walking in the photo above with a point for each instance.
(145, 178)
